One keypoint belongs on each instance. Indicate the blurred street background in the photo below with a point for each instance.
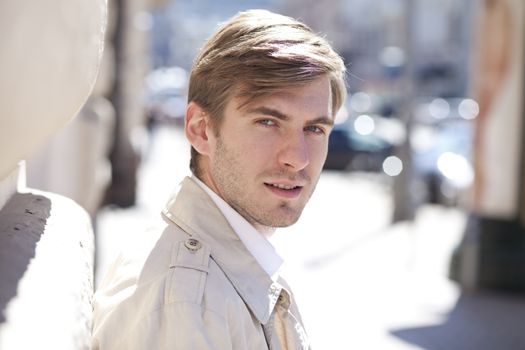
(414, 238)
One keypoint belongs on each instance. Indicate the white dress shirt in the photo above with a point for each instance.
(256, 243)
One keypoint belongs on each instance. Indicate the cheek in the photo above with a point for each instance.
(261, 145)
(318, 152)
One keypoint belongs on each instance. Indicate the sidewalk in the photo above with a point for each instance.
(361, 283)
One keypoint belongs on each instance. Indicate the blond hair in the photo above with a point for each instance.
(257, 53)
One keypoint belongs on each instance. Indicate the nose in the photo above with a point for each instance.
(294, 153)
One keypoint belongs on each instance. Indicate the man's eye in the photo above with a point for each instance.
(267, 122)
(315, 129)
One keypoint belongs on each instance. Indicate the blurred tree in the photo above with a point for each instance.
(131, 64)
(404, 205)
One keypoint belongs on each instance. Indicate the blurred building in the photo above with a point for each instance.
(364, 30)
(181, 27)
(371, 35)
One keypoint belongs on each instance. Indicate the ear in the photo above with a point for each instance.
(195, 128)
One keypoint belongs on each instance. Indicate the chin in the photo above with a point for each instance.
(286, 220)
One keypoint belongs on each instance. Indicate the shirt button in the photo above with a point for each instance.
(192, 244)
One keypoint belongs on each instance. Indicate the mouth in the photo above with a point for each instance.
(284, 190)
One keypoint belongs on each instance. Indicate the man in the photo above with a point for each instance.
(262, 98)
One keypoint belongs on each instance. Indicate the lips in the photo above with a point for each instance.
(283, 187)
(284, 190)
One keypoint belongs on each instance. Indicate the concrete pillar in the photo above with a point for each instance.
(48, 63)
(46, 272)
(75, 161)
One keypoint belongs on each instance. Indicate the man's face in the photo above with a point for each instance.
(266, 157)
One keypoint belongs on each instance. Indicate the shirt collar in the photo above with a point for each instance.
(261, 249)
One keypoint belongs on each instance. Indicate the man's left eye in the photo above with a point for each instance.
(267, 122)
(315, 129)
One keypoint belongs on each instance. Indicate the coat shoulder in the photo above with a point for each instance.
(189, 266)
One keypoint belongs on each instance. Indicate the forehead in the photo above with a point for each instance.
(314, 96)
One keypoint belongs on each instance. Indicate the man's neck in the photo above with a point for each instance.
(255, 238)
(266, 231)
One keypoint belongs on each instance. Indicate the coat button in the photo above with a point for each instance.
(192, 244)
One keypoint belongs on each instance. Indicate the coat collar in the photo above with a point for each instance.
(195, 212)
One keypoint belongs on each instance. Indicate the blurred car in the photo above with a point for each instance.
(383, 104)
(441, 140)
(354, 146)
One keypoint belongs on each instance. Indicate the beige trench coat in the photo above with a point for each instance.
(194, 287)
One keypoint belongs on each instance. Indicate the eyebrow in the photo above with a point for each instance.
(279, 115)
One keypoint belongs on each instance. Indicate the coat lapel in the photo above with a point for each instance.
(196, 213)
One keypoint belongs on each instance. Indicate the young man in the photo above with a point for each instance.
(263, 94)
